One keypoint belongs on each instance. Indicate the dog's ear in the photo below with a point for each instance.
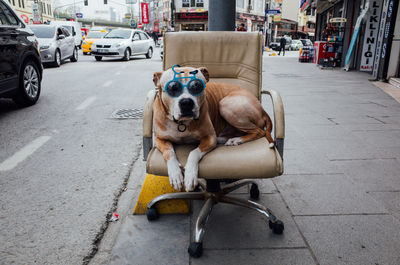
(205, 73)
(156, 78)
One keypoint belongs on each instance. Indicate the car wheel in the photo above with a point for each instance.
(98, 58)
(29, 85)
(74, 56)
(57, 59)
(149, 53)
(127, 55)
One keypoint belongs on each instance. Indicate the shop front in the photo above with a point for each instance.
(252, 22)
(191, 21)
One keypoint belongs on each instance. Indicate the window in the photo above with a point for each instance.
(6, 16)
(23, 3)
(143, 36)
(185, 3)
(19, 3)
(199, 3)
(192, 3)
(65, 32)
(240, 3)
(136, 36)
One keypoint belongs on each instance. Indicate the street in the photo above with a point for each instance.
(65, 160)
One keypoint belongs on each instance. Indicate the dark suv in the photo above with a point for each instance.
(20, 65)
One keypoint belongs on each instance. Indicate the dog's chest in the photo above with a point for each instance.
(184, 136)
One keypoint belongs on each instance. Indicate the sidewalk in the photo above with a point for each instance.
(339, 197)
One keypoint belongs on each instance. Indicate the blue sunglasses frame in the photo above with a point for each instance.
(176, 79)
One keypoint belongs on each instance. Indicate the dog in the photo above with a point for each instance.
(189, 109)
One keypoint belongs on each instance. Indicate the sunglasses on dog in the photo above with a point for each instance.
(175, 88)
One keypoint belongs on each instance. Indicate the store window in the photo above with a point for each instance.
(199, 3)
(240, 3)
(185, 3)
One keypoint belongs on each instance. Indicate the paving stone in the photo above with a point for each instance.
(163, 241)
(391, 201)
(304, 161)
(255, 257)
(325, 194)
(352, 239)
(235, 227)
(373, 175)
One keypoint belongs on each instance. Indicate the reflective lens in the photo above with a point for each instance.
(174, 89)
(195, 87)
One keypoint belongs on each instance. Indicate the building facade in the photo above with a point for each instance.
(365, 32)
(24, 9)
(307, 19)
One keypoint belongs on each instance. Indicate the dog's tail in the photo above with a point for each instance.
(268, 129)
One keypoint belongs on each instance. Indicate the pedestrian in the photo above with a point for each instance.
(242, 27)
(154, 34)
(282, 45)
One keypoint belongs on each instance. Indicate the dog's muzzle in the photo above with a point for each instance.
(186, 106)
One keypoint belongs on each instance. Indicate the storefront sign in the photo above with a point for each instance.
(380, 38)
(277, 18)
(145, 13)
(35, 13)
(186, 16)
(370, 37)
(244, 16)
(338, 20)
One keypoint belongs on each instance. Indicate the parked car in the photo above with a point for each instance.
(276, 45)
(90, 38)
(123, 43)
(296, 45)
(20, 65)
(74, 29)
(307, 42)
(55, 44)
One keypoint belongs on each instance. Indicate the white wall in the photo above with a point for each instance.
(290, 9)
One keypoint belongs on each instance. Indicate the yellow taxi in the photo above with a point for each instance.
(92, 36)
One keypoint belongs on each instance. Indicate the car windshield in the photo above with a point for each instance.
(118, 34)
(95, 35)
(306, 42)
(43, 32)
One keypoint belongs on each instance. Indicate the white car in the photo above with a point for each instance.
(74, 29)
(296, 45)
(123, 43)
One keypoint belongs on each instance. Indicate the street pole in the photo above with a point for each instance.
(221, 15)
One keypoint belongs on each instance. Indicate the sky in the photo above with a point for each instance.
(96, 9)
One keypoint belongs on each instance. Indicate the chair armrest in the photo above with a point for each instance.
(148, 123)
(279, 119)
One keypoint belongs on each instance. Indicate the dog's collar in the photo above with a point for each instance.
(180, 125)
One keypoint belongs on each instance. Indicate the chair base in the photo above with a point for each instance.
(212, 194)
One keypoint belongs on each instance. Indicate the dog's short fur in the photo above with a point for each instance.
(226, 111)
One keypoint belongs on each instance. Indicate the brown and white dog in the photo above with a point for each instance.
(224, 113)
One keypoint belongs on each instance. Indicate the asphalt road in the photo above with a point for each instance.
(64, 161)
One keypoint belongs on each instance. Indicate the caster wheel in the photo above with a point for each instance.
(254, 192)
(277, 227)
(152, 214)
(195, 249)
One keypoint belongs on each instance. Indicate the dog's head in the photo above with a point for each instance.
(181, 91)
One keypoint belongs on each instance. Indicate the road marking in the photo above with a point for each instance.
(86, 103)
(24, 153)
(117, 73)
(107, 84)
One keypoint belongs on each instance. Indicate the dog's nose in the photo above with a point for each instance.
(186, 105)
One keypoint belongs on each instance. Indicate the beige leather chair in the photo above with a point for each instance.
(231, 57)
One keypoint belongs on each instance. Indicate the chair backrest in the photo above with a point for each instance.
(230, 57)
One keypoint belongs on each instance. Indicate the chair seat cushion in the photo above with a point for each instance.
(249, 160)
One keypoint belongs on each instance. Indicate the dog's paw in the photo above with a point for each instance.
(234, 141)
(191, 179)
(175, 175)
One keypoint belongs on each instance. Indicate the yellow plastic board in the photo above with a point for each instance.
(154, 186)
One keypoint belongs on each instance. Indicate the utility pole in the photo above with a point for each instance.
(221, 15)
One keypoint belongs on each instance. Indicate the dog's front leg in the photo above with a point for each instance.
(174, 167)
(192, 165)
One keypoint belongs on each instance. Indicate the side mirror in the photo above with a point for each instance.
(60, 37)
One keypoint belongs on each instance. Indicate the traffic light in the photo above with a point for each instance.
(105, 2)
(85, 2)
